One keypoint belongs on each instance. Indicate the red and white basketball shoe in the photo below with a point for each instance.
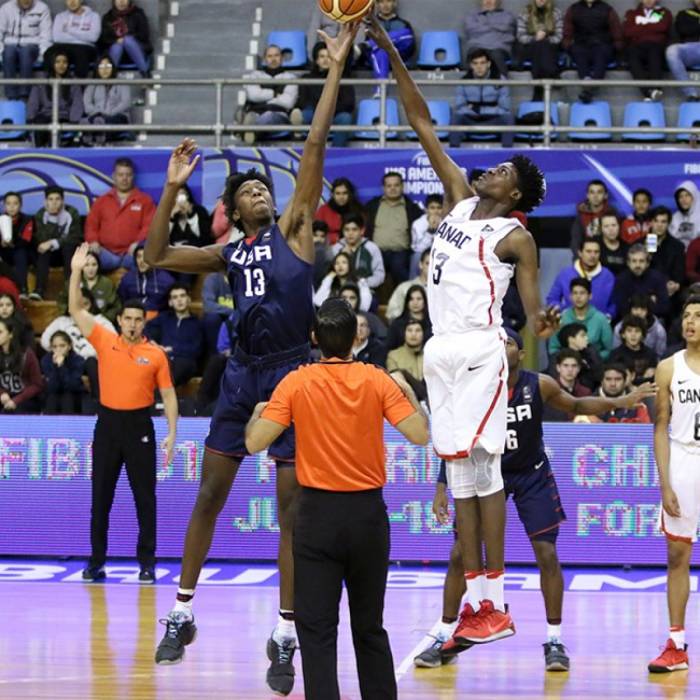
(670, 659)
(487, 625)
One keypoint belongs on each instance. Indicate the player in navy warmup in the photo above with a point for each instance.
(271, 275)
(529, 478)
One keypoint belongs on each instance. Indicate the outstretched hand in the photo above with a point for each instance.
(547, 322)
(644, 391)
(182, 163)
(79, 258)
(376, 32)
(340, 45)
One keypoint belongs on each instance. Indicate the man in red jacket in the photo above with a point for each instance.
(118, 220)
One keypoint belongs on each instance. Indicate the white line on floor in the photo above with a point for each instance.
(408, 660)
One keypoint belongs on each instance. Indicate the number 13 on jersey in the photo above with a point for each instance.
(254, 282)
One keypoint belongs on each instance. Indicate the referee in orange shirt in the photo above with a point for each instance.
(130, 369)
(341, 531)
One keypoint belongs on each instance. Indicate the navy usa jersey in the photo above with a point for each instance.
(524, 441)
(272, 293)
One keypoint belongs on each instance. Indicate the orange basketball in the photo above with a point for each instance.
(345, 10)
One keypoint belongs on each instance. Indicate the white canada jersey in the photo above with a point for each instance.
(685, 403)
(467, 281)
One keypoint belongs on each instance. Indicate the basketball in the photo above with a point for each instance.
(345, 10)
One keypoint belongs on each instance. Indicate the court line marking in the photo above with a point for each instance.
(402, 668)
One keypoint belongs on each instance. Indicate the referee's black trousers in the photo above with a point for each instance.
(342, 537)
(124, 437)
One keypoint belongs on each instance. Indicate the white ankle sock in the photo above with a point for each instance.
(184, 607)
(677, 635)
(494, 589)
(284, 631)
(554, 633)
(475, 588)
(445, 630)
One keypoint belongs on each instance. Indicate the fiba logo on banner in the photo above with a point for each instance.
(419, 178)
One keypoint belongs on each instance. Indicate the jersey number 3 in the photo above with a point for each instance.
(439, 260)
(254, 282)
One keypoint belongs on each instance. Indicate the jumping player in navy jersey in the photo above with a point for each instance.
(529, 478)
(271, 273)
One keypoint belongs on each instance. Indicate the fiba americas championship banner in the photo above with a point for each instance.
(606, 475)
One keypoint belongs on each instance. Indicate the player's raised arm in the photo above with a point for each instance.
(295, 222)
(662, 446)
(158, 252)
(453, 179)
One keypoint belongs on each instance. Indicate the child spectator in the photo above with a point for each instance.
(567, 365)
(58, 231)
(639, 279)
(491, 28)
(217, 306)
(343, 203)
(63, 373)
(655, 338)
(125, 29)
(400, 32)
(190, 223)
(574, 336)
(590, 212)
(366, 256)
(16, 235)
(70, 102)
(636, 226)
(686, 53)
(685, 224)
(11, 311)
(408, 359)
(150, 285)
(76, 31)
(20, 378)
(343, 271)
(423, 230)
(667, 252)
(105, 103)
(351, 293)
(415, 309)
(366, 347)
(633, 351)
(613, 252)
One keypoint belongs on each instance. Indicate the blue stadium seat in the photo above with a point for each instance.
(440, 50)
(292, 41)
(368, 114)
(12, 112)
(688, 116)
(593, 114)
(440, 114)
(530, 107)
(644, 114)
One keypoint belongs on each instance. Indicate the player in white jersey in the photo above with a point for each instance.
(677, 452)
(477, 249)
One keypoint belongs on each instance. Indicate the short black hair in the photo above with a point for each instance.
(179, 285)
(133, 303)
(356, 219)
(531, 184)
(319, 225)
(236, 181)
(391, 173)
(478, 53)
(597, 182)
(571, 330)
(661, 210)
(335, 327)
(568, 354)
(645, 192)
(54, 189)
(590, 239)
(12, 194)
(614, 367)
(637, 248)
(124, 163)
(692, 299)
(580, 282)
(631, 321)
(434, 199)
(425, 254)
(642, 301)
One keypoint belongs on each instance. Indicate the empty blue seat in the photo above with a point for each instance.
(291, 42)
(440, 115)
(368, 114)
(12, 112)
(440, 50)
(644, 114)
(593, 114)
(525, 108)
(688, 116)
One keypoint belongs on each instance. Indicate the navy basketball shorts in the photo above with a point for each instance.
(247, 380)
(536, 497)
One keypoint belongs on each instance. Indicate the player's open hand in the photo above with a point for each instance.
(340, 45)
(669, 501)
(644, 391)
(377, 33)
(182, 162)
(441, 505)
(79, 258)
(547, 322)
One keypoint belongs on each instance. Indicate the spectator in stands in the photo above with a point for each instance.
(423, 230)
(322, 251)
(76, 31)
(685, 224)
(102, 291)
(125, 30)
(415, 309)
(636, 226)
(574, 336)
(342, 203)
(58, 231)
(389, 221)
(268, 105)
(118, 220)
(400, 32)
(63, 375)
(491, 28)
(540, 32)
(639, 279)
(8, 284)
(487, 105)
(408, 359)
(366, 348)
(613, 252)
(692, 261)
(16, 235)
(20, 377)
(614, 384)
(25, 35)
(149, 285)
(180, 334)
(342, 270)
(567, 366)
(582, 311)
(11, 311)
(646, 30)
(398, 298)
(589, 213)
(217, 306)
(190, 223)
(105, 103)
(587, 266)
(222, 229)
(351, 293)
(641, 306)
(667, 252)
(209, 387)
(367, 259)
(70, 102)
(309, 96)
(686, 53)
(633, 351)
(592, 35)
